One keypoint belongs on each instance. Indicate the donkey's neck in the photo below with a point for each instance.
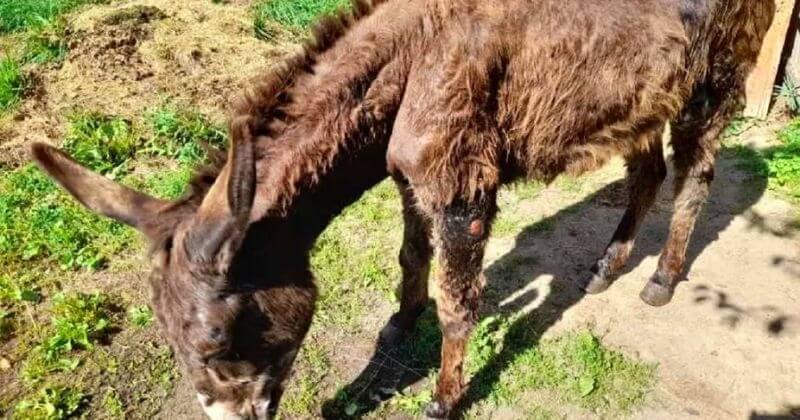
(329, 149)
(333, 141)
(322, 126)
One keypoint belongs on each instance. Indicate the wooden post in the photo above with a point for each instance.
(793, 63)
(762, 79)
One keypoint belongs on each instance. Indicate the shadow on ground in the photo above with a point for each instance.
(558, 251)
(790, 413)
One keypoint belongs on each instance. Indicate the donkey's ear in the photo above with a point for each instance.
(98, 193)
(221, 221)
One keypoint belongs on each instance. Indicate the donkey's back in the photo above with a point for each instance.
(583, 79)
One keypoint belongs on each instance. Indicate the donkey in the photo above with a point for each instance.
(453, 99)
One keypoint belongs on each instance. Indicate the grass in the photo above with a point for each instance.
(19, 15)
(140, 316)
(51, 404)
(79, 320)
(112, 405)
(302, 397)
(578, 369)
(39, 28)
(780, 164)
(790, 93)
(509, 222)
(182, 134)
(507, 361)
(39, 222)
(11, 83)
(295, 15)
(46, 43)
(783, 161)
(371, 261)
(16, 290)
(45, 236)
(100, 142)
(574, 368)
(181, 138)
(6, 325)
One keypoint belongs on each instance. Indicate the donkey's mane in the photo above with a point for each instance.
(264, 103)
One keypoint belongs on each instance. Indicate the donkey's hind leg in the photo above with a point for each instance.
(646, 173)
(415, 261)
(695, 140)
(462, 231)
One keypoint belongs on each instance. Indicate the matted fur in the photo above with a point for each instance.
(453, 98)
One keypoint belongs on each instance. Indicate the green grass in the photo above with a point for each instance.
(112, 405)
(295, 15)
(168, 183)
(6, 325)
(11, 83)
(18, 15)
(51, 404)
(78, 321)
(18, 289)
(579, 369)
(783, 161)
(41, 33)
(40, 222)
(507, 362)
(100, 142)
(45, 43)
(371, 266)
(45, 236)
(303, 397)
(182, 134)
(508, 221)
(181, 138)
(17, 293)
(780, 164)
(140, 316)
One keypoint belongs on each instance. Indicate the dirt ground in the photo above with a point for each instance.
(728, 346)
(127, 57)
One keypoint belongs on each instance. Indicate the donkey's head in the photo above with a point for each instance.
(236, 334)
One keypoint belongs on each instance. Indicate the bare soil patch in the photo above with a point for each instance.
(127, 57)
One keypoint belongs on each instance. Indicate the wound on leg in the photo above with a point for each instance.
(466, 223)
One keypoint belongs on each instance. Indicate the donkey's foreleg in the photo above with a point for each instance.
(646, 173)
(415, 261)
(695, 140)
(462, 230)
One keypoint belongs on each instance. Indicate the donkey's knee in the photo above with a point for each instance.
(466, 224)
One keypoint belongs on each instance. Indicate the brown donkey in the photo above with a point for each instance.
(460, 96)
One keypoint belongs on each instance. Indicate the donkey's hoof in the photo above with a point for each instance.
(436, 410)
(655, 294)
(596, 284)
(392, 334)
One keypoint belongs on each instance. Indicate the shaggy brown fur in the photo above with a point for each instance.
(536, 89)
(458, 97)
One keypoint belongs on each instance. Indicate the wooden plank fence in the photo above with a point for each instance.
(760, 85)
